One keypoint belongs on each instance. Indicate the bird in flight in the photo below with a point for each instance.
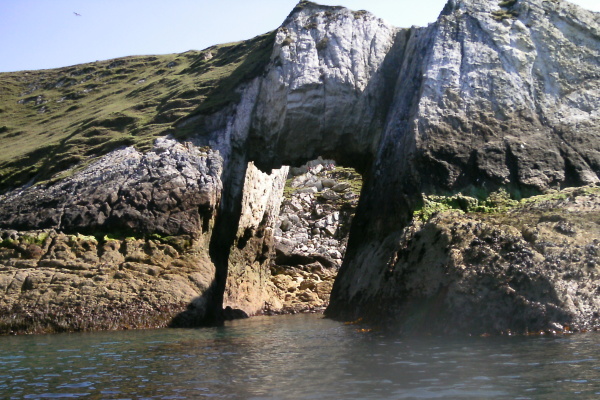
(76, 14)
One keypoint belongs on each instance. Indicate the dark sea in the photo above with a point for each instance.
(296, 357)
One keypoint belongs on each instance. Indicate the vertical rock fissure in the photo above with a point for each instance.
(224, 232)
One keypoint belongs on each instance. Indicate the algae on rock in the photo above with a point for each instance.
(528, 269)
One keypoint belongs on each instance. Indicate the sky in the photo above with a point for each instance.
(40, 34)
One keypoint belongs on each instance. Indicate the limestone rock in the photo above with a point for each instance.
(487, 274)
(492, 95)
(248, 281)
(482, 101)
(323, 84)
(309, 250)
(340, 187)
(172, 190)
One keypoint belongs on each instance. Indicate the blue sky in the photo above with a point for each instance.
(38, 34)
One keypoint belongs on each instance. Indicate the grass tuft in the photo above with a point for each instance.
(501, 15)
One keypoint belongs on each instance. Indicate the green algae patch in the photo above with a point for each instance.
(499, 202)
(343, 175)
(507, 11)
(496, 202)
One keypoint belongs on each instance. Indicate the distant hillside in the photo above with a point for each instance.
(53, 120)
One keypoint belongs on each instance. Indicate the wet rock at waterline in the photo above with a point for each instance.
(528, 267)
(54, 282)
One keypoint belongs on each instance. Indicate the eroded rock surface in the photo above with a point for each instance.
(56, 282)
(310, 242)
(146, 262)
(486, 97)
(248, 285)
(504, 77)
(325, 90)
(173, 189)
(531, 268)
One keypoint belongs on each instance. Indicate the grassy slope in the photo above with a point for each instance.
(53, 120)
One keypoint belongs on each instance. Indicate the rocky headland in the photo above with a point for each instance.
(151, 191)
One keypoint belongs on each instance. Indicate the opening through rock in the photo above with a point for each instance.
(311, 235)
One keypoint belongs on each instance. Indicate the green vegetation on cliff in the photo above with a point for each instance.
(53, 120)
(497, 203)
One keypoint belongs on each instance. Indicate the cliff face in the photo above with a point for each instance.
(145, 263)
(325, 91)
(525, 267)
(486, 97)
(172, 190)
(516, 88)
(492, 95)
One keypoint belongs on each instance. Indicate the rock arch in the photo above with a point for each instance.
(480, 99)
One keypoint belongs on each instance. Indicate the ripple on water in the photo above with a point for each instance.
(300, 357)
(57, 396)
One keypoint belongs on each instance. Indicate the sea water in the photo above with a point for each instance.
(296, 357)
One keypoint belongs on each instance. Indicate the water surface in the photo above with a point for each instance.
(295, 357)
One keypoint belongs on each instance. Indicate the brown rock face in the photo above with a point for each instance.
(154, 220)
(57, 282)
